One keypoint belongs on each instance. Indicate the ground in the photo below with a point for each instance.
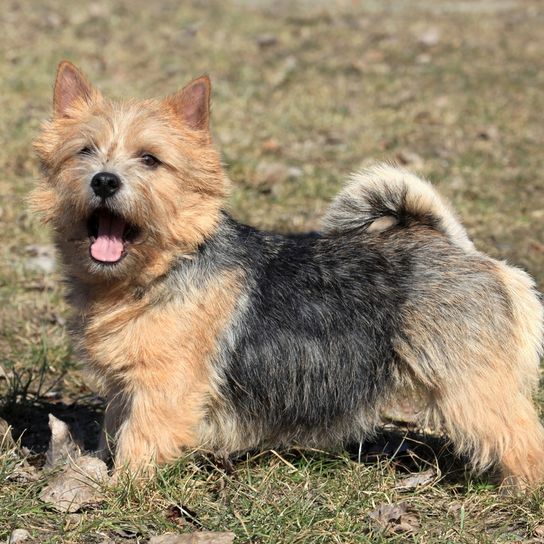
(304, 93)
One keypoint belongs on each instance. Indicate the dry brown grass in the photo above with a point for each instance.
(454, 89)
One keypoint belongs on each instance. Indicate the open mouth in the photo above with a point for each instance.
(109, 235)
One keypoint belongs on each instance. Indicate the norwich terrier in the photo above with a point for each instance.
(206, 333)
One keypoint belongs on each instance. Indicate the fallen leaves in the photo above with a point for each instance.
(395, 518)
(80, 484)
(41, 258)
(417, 480)
(62, 446)
(201, 537)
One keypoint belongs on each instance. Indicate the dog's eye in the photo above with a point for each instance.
(150, 161)
(87, 150)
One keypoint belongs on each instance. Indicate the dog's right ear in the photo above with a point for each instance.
(71, 88)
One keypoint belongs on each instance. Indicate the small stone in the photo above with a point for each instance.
(19, 535)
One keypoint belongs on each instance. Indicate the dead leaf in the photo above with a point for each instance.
(271, 145)
(429, 37)
(23, 474)
(41, 258)
(536, 246)
(409, 158)
(62, 446)
(266, 40)
(202, 537)
(127, 532)
(78, 486)
(268, 174)
(416, 480)
(6, 438)
(181, 515)
(395, 518)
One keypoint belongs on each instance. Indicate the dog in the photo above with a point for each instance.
(204, 333)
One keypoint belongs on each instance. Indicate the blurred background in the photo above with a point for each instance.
(307, 91)
(304, 92)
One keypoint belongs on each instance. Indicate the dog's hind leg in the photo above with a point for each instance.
(493, 422)
(476, 357)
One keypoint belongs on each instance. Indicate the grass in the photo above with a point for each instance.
(451, 88)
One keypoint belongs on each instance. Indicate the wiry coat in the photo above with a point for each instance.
(212, 334)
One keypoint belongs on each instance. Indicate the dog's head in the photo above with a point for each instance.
(127, 184)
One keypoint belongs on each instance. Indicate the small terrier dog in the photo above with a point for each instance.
(206, 333)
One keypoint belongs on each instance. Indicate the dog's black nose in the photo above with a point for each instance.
(105, 184)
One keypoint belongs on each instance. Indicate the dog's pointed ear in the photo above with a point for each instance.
(71, 87)
(192, 103)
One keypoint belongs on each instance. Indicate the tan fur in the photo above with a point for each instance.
(152, 362)
(481, 393)
(151, 359)
(178, 203)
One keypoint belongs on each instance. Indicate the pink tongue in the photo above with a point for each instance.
(108, 246)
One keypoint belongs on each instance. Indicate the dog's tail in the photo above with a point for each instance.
(382, 196)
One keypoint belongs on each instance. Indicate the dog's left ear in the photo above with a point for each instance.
(192, 103)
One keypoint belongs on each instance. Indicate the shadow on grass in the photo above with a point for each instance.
(29, 421)
(407, 450)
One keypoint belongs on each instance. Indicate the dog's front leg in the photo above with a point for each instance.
(157, 424)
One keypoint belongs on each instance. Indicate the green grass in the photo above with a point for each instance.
(339, 85)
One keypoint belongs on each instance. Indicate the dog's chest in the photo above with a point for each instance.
(142, 341)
